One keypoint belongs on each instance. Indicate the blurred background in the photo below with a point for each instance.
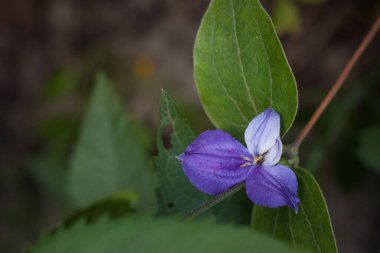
(49, 51)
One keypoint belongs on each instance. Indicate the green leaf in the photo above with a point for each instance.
(310, 228)
(109, 156)
(141, 234)
(236, 209)
(240, 66)
(115, 206)
(369, 146)
(176, 195)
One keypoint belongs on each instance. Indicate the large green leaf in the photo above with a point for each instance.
(240, 66)
(140, 234)
(176, 195)
(109, 156)
(310, 228)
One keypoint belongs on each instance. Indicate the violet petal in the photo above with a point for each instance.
(273, 186)
(262, 132)
(215, 162)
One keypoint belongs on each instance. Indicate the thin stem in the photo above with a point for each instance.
(214, 200)
(338, 83)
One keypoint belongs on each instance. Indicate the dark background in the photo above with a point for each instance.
(49, 51)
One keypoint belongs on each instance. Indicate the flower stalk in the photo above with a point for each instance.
(214, 200)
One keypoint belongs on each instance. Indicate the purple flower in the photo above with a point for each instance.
(215, 161)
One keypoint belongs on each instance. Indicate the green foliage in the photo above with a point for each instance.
(109, 156)
(57, 132)
(141, 234)
(117, 205)
(240, 70)
(236, 209)
(286, 17)
(335, 123)
(311, 1)
(60, 84)
(369, 147)
(51, 175)
(240, 66)
(310, 228)
(176, 195)
(286, 14)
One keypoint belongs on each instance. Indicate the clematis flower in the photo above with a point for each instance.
(215, 161)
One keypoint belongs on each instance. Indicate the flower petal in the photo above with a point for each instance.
(273, 186)
(213, 162)
(274, 153)
(262, 132)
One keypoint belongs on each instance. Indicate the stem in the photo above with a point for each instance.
(214, 200)
(338, 83)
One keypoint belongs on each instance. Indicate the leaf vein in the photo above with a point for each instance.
(310, 227)
(218, 73)
(290, 227)
(229, 121)
(266, 56)
(239, 54)
(275, 222)
(172, 122)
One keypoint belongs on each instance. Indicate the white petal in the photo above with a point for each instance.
(262, 132)
(274, 154)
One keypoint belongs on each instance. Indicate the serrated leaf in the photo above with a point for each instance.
(310, 228)
(109, 156)
(240, 66)
(115, 206)
(176, 195)
(141, 234)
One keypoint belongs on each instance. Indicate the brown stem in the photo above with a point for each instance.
(338, 83)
